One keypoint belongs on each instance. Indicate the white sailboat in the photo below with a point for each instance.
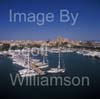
(58, 69)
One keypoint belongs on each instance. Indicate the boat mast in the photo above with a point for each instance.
(43, 59)
(43, 54)
(46, 53)
(59, 59)
(28, 58)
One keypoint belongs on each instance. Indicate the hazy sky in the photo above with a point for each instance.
(87, 26)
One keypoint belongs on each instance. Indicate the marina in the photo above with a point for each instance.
(30, 65)
(34, 57)
(34, 66)
(75, 64)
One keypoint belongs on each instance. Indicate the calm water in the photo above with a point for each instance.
(76, 65)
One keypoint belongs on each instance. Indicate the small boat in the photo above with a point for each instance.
(43, 66)
(23, 71)
(27, 73)
(56, 70)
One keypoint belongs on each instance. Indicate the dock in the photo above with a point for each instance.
(36, 69)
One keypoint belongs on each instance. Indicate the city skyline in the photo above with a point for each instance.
(86, 27)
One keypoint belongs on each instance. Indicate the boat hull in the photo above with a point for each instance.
(56, 70)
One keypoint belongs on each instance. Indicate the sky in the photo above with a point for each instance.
(87, 26)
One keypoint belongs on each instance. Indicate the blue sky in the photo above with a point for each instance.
(87, 26)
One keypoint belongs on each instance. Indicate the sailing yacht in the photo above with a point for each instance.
(58, 69)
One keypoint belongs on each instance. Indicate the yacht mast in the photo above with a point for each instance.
(59, 59)
(43, 54)
(28, 59)
(44, 49)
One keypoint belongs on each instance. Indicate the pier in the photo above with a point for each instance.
(36, 69)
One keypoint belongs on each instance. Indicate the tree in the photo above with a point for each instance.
(14, 47)
(5, 46)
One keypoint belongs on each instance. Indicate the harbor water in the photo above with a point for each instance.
(75, 65)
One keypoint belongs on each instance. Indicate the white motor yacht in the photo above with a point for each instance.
(56, 70)
(27, 73)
